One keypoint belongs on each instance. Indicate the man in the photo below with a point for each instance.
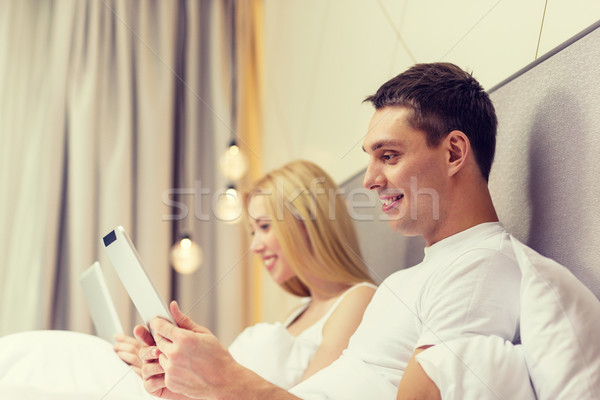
(430, 144)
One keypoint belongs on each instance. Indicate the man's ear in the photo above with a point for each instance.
(458, 147)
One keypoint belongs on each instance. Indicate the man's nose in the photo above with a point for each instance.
(373, 177)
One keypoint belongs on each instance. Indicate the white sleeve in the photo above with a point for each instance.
(479, 367)
(346, 379)
(478, 293)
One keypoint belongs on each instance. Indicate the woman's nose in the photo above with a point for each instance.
(257, 245)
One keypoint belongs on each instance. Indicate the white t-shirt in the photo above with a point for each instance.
(467, 284)
(277, 356)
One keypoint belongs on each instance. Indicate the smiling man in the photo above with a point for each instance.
(430, 145)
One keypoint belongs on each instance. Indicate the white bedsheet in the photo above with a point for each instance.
(64, 365)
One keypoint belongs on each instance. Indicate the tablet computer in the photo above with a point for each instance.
(102, 309)
(138, 285)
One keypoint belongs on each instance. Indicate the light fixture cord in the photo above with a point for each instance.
(233, 116)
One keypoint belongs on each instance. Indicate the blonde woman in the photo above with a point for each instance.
(303, 233)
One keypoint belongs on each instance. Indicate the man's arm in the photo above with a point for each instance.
(249, 386)
(415, 384)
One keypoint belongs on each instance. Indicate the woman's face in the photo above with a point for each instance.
(265, 243)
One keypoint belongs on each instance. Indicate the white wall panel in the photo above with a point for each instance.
(322, 59)
(566, 18)
(502, 41)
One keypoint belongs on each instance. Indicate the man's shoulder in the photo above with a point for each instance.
(486, 256)
(486, 247)
(491, 243)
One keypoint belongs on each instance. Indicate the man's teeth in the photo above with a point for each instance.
(390, 200)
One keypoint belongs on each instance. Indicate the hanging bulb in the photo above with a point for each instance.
(186, 256)
(229, 206)
(234, 163)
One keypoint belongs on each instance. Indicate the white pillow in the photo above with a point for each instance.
(64, 365)
(560, 329)
(478, 367)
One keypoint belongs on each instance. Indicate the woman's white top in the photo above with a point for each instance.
(276, 355)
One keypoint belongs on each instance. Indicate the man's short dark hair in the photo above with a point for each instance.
(444, 98)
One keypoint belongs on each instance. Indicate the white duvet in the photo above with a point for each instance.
(64, 365)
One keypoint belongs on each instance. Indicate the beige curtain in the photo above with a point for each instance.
(249, 65)
(89, 97)
(32, 132)
(94, 96)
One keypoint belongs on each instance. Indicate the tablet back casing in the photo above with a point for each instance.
(134, 277)
(102, 309)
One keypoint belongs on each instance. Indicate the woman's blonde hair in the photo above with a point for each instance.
(311, 221)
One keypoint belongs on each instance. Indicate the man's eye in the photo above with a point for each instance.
(388, 157)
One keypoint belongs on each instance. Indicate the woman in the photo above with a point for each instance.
(303, 233)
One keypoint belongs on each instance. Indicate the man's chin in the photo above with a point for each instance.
(401, 227)
(392, 218)
(397, 225)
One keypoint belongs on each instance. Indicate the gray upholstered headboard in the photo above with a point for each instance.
(545, 181)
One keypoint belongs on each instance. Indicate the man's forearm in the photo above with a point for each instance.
(249, 386)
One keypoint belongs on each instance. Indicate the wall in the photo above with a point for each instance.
(323, 57)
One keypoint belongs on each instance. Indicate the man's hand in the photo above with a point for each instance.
(191, 358)
(151, 371)
(188, 360)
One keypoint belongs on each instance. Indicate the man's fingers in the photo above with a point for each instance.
(148, 354)
(143, 335)
(163, 328)
(155, 385)
(163, 361)
(182, 320)
(151, 370)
